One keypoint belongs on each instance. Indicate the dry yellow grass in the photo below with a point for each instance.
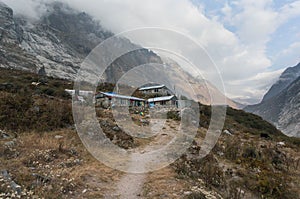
(65, 162)
(50, 167)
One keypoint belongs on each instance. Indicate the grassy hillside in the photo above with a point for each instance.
(47, 159)
(255, 161)
(28, 107)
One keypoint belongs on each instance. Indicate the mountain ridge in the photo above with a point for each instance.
(285, 79)
(60, 41)
(281, 103)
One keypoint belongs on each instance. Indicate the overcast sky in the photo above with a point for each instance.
(251, 41)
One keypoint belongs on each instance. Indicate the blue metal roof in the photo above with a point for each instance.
(110, 94)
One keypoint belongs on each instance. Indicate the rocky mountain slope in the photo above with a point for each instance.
(285, 79)
(281, 104)
(201, 90)
(59, 41)
(63, 37)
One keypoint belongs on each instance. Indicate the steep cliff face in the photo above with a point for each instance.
(7, 25)
(59, 41)
(282, 104)
(12, 55)
(285, 79)
(289, 118)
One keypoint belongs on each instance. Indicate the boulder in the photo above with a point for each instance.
(227, 132)
(4, 135)
(116, 128)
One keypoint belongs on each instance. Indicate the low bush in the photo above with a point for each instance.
(174, 115)
(206, 168)
(196, 195)
(24, 112)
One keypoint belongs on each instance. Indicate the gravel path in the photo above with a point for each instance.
(130, 185)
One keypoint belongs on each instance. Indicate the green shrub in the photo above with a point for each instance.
(232, 149)
(196, 195)
(24, 113)
(174, 115)
(206, 168)
(253, 123)
(48, 91)
(250, 152)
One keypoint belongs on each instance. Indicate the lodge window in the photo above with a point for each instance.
(163, 103)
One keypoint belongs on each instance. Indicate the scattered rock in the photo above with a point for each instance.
(35, 83)
(10, 144)
(146, 122)
(227, 132)
(187, 193)
(84, 191)
(116, 128)
(36, 108)
(77, 161)
(58, 137)
(115, 139)
(12, 184)
(104, 123)
(280, 144)
(16, 187)
(4, 135)
(41, 179)
(5, 174)
(257, 170)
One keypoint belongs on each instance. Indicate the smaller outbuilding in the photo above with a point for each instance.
(80, 92)
(80, 95)
(158, 90)
(163, 101)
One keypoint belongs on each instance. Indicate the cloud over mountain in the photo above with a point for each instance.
(236, 36)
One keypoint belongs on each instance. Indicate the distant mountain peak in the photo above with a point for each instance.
(281, 104)
(285, 79)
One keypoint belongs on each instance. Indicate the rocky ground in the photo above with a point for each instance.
(56, 165)
(41, 155)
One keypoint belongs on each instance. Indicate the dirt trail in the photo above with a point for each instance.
(130, 186)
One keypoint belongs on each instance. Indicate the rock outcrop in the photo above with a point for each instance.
(285, 79)
(60, 40)
(281, 104)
